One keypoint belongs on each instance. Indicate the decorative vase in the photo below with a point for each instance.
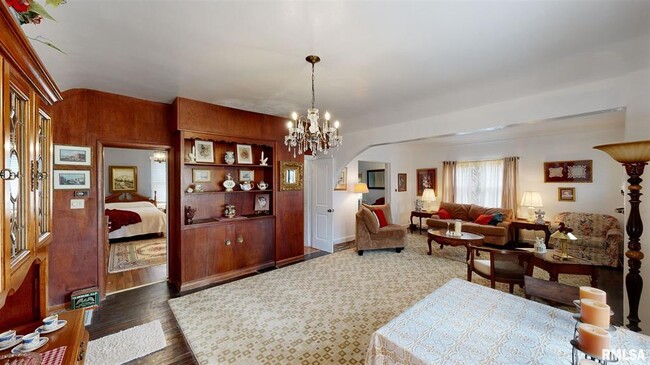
(230, 157)
(229, 183)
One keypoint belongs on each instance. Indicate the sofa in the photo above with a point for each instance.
(496, 233)
(600, 239)
(372, 234)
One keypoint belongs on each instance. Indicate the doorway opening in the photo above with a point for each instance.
(135, 192)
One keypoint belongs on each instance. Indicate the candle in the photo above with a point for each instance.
(587, 292)
(457, 227)
(593, 340)
(593, 312)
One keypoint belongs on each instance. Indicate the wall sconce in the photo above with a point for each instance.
(159, 156)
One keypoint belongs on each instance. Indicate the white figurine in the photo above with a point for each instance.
(539, 214)
(540, 247)
(263, 160)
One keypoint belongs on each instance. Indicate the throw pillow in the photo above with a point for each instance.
(381, 218)
(370, 220)
(443, 214)
(498, 218)
(484, 219)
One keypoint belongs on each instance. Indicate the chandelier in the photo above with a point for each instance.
(310, 133)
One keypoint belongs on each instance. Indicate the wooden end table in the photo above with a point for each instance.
(420, 215)
(517, 224)
(554, 267)
(466, 239)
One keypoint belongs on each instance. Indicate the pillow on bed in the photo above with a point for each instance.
(127, 205)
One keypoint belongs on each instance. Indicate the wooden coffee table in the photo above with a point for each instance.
(465, 239)
(554, 266)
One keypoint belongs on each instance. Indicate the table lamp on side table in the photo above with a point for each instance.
(634, 156)
(532, 200)
(360, 189)
(428, 196)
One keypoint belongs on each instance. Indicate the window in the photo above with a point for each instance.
(159, 182)
(479, 182)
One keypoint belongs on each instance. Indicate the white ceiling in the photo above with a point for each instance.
(382, 63)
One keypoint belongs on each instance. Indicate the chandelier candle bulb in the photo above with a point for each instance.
(593, 340)
(595, 313)
(587, 292)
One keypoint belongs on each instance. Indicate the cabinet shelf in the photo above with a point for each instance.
(229, 192)
(226, 165)
(219, 221)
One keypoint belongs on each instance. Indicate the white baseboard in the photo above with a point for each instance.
(343, 240)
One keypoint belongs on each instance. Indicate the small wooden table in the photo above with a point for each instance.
(554, 266)
(420, 215)
(517, 224)
(465, 239)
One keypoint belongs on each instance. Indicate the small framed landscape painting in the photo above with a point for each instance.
(244, 154)
(401, 182)
(201, 175)
(122, 178)
(246, 175)
(566, 194)
(204, 151)
(71, 179)
(72, 155)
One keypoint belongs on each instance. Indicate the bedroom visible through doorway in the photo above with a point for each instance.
(135, 205)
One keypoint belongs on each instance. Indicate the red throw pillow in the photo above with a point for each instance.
(484, 218)
(443, 214)
(381, 218)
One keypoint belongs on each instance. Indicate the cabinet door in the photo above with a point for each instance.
(254, 242)
(15, 175)
(42, 172)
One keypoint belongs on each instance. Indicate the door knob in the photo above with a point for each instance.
(330, 210)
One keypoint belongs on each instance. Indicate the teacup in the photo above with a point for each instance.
(31, 340)
(50, 322)
(7, 337)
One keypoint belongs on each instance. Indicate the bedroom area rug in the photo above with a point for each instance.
(133, 255)
(127, 345)
(319, 311)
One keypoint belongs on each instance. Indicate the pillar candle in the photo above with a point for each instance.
(457, 227)
(587, 292)
(593, 340)
(593, 312)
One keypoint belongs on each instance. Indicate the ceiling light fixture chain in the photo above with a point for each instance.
(309, 133)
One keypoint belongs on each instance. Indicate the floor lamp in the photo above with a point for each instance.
(634, 156)
(360, 189)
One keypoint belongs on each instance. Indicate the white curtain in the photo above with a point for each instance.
(479, 182)
(510, 182)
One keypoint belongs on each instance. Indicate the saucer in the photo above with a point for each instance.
(13, 343)
(21, 348)
(59, 325)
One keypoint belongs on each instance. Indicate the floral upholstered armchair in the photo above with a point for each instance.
(600, 239)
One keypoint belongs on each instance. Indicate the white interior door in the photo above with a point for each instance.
(321, 202)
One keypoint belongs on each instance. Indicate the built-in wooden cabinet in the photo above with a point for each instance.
(215, 247)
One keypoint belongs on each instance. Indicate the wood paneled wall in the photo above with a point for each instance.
(84, 118)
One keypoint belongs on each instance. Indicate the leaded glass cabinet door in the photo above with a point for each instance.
(13, 174)
(41, 177)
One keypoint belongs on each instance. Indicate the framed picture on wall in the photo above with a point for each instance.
(342, 181)
(401, 182)
(71, 179)
(262, 202)
(201, 175)
(244, 154)
(568, 171)
(72, 155)
(426, 180)
(375, 179)
(246, 175)
(566, 194)
(204, 151)
(122, 178)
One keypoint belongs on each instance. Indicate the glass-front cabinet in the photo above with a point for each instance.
(42, 172)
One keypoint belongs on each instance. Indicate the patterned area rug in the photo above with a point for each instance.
(322, 311)
(124, 346)
(133, 255)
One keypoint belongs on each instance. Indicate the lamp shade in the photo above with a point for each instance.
(428, 195)
(627, 152)
(361, 188)
(564, 236)
(531, 199)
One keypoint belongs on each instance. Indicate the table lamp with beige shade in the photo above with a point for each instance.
(360, 189)
(531, 200)
(428, 196)
(564, 235)
(634, 156)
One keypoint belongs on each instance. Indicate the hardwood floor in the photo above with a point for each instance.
(138, 306)
(120, 281)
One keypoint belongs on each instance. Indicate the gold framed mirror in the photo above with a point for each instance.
(291, 175)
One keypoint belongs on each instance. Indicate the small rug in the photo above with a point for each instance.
(321, 311)
(133, 255)
(126, 345)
